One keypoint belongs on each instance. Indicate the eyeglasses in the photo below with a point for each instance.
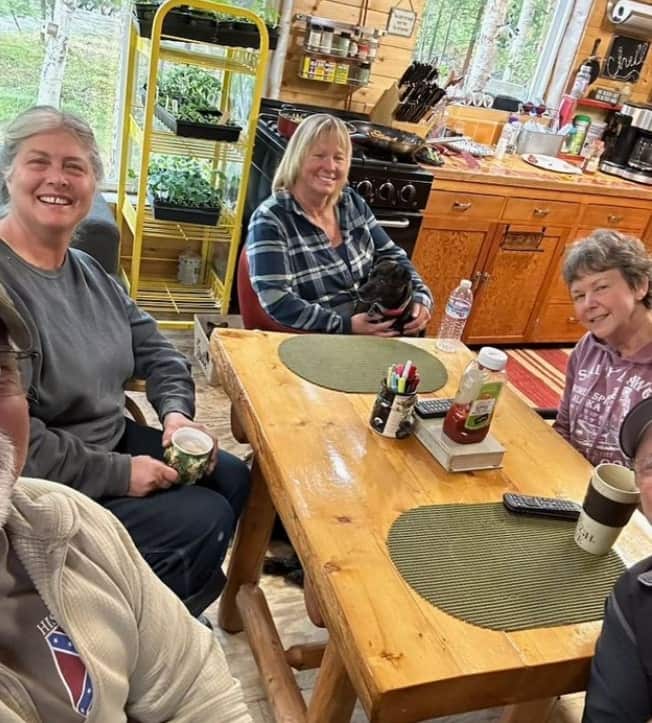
(15, 371)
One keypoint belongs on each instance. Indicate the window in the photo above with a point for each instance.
(65, 53)
(500, 46)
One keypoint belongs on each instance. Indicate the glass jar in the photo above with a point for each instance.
(353, 43)
(364, 73)
(341, 44)
(314, 36)
(327, 35)
(374, 42)
(363, 48)
(342, 73)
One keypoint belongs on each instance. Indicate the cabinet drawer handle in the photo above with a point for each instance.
(539, 212)
(572, 320)
(462, 206)
(614, 218)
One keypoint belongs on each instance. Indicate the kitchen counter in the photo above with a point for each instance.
(513, 171)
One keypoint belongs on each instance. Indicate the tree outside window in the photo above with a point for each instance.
(498, 45)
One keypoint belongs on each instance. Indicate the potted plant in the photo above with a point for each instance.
(180, 189)
(187, 96)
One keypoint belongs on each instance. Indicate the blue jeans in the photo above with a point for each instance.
(184, 532)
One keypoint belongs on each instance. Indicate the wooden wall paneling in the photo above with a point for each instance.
(599, 27)
(394, 55)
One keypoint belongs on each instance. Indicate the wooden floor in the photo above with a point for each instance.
(285, 600)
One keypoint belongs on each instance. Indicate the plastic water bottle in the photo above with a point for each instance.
(456, 313)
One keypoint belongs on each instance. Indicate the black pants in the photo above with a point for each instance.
(183, 532)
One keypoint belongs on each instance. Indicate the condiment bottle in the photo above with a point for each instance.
(353, 43)
(341, 44)
(363, 48)
(342, 73)
(364, 73)
(468, 420)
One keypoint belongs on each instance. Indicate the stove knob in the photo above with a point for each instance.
(408, 193)
(387, 193)
(365, 189)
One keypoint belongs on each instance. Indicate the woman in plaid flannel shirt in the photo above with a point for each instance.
(314, 241)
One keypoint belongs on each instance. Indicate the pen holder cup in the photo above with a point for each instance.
(393, 413)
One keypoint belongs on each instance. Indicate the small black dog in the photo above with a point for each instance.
(387, 293)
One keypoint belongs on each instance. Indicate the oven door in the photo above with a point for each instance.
(402, 227)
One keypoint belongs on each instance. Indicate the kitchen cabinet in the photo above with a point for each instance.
(520, 296)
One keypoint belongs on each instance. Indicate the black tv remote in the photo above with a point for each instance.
(433, 408)
(542, 506)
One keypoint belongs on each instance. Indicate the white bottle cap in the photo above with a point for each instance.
(465, 283)
(491, 358)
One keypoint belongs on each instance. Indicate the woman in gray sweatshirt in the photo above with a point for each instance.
(90, 338)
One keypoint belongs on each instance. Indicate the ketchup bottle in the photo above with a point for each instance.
(468, 420)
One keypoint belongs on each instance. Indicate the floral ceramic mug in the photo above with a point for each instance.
(189, 453)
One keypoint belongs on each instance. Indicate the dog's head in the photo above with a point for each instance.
(389, 286)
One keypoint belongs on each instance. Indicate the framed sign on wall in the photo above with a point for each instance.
(401, 22)
(625, 59)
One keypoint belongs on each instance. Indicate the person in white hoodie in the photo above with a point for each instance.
(87, 630)
(610, 368)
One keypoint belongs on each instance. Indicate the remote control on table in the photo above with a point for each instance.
(542, 506)
(433, 408)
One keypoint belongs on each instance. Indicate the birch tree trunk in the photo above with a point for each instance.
(56, 49)
(519, 43)
(486, 46)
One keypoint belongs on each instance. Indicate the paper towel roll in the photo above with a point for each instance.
(633, 17)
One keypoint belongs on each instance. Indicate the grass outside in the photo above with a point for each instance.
(89, 87)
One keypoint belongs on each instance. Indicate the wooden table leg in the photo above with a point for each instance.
(333, 697)
(249, 549)
(534, 711)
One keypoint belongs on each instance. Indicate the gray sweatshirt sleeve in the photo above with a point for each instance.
(59, 456)
(170, 387)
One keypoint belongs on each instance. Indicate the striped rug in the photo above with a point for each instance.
(538, 375)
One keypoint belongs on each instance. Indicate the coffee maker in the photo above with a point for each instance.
(628, 144)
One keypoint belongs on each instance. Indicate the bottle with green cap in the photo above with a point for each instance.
(581, 124)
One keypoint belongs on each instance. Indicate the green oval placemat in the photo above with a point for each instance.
(356, 363)
(498, 570)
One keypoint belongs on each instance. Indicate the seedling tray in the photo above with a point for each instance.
(202, 216)
(191, 129)
(243, 35)
(177, 23)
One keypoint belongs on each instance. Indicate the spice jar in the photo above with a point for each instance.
(327, 35)
(305, 67)
(364, 73)
(363, 48)
(314, 36)
(353, 43)
(341, 44)
(342, 73)
(374, 42)
(329, 71)
(319, 69)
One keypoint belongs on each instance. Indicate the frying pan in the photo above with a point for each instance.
(289, 119)
(385, 138)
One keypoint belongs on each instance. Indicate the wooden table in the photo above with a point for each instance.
(338, 486)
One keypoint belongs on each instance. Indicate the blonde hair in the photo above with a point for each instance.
(311, 130)
(604, 250)
(43, 119)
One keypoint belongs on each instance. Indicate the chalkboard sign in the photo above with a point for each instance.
(625, 59)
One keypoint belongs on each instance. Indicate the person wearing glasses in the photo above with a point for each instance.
(87, 629)
(620, 684)
(89, 339)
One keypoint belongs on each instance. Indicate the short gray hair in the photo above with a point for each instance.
(311, 130)
(604, 250)
(43, 119)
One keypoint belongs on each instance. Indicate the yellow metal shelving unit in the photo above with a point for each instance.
(157, 243)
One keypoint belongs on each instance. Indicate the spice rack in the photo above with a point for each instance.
(338, 52)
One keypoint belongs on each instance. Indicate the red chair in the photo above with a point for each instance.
(253, 314)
